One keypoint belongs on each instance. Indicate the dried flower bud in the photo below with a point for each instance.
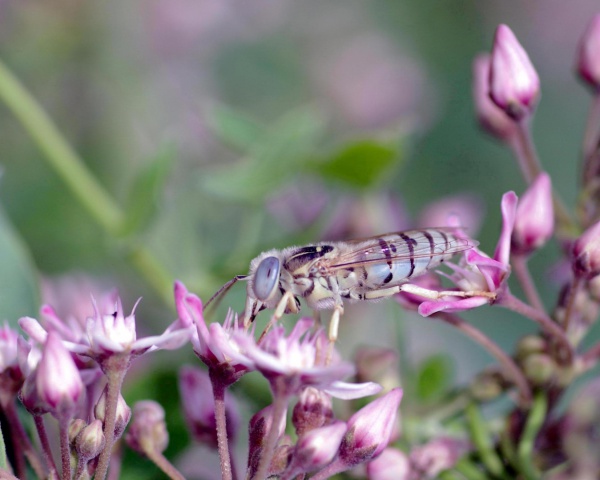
(534, 222)
(370, 429)
(313, 410)
(491, 118)
(514, 83)
(148, 431)
(586, 253)
(123, 413)
(90, 441)
(588, 56)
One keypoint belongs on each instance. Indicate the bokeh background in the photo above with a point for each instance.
(227, 127)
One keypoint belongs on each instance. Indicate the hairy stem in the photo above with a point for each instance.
(65, 451)
(161, 462)
(41, 429)
(221, 424)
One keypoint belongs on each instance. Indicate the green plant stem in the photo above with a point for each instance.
(481, 438)
(73, 172)
(469, 471)
(535, 421)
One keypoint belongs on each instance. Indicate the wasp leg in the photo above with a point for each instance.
(334, 325)
(287, 302)
(436, 294)
(382, 293)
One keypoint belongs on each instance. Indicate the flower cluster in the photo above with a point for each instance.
(317, 423)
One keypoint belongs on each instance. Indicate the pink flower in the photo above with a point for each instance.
(58, 383)
(492, 118)
(585, 253)
(514, 83)
(588, 55)
(313, 410)
(534, 222)
(215, 344)
(437, 455)
(370, 429)
(478, 272)
(297, 358)
(316, 449)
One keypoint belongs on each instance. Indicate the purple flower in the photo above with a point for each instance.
(478, 272)
(392, 464)
(491, 118)
(370, 429)
(534, 221)
(299, 360)
(514, 83)
(107, 332)
(148, 431)
(588, 56)
(58, 383)
(215, 344)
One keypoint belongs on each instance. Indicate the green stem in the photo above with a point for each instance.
(482, 440)
(73, 171)
(469, 471)
(535, 421)
(59, 153)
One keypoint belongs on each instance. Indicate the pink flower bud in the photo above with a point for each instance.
(58, 382)
(437, 455)
(586, 252)
(588, 56)
(318, 447)
(313, 410)
(370, 429)
(392, 464)
(534, 221)
(148, 431)
(491, 118)
(514, 83)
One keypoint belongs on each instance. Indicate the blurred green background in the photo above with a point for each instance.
(224, 128)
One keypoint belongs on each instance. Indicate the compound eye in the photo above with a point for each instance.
(266, 277)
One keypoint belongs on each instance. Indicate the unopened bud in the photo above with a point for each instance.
(391, 464)
(588, 56)
(317, 448)
(491, 118)
(90, 441)
(123, 413)
(534, 222)
(539, 368)
(148, 431)
(529, 345)
(75, 427)
(487, 386)
(514, 83)
(586, 253)
(313, 410)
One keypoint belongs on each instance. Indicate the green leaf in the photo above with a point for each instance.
(235, 128)
(434, 377)
(360, 164)
(276, 159)
(145, 190)
(19, 294)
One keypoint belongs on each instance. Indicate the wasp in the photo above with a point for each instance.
(327, 274)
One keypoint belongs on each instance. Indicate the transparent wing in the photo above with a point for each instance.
(400, 246)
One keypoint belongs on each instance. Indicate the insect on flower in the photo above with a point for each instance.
(326, 274)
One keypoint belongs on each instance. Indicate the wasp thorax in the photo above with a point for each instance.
(266, 277)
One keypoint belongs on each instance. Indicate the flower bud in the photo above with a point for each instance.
(370, 429)
(148, 431)
(437, 455)
(90, 441)
(392, 464)
(258, 429)
(318, 447)
(58, 382)
(529, 345)
(539, 368)
(588, 55)
(534, 221)
(313, 410)
(586, 253)
(76, 426)
(123, 413)
(491, 118)
(377, 364)
(514, 83)
(487, 385)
